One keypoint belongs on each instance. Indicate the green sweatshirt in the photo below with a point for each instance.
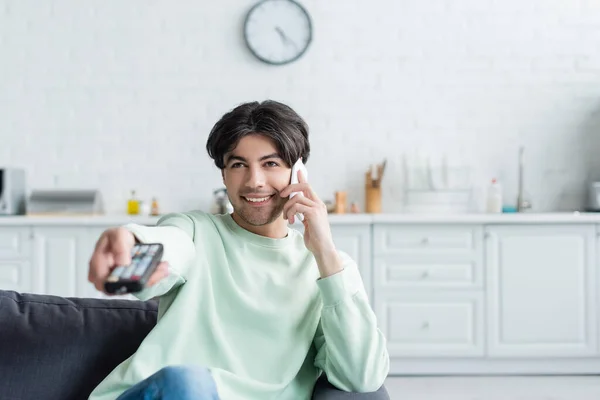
(255, 312)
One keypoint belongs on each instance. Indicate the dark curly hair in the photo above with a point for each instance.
(272, 119)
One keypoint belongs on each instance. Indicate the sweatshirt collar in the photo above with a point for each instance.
(257, 239)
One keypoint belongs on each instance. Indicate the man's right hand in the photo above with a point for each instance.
(114, 249)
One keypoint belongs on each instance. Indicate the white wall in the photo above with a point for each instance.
(122, 94)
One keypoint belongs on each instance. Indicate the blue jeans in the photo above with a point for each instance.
(175, 383)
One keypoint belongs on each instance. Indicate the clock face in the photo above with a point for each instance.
(278, 31)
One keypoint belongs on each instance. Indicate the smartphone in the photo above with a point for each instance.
(132, 278)
(298, 166)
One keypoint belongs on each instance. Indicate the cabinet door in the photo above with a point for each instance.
(15, 258)
(85, 249)
(354, 240)
(541, 290)
(58, 265)
(15, 275)
(15, 242)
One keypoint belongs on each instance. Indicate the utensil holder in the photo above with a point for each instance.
(372, 199)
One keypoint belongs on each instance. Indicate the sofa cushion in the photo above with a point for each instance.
(55, 348)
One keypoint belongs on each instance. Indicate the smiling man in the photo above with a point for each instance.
(249, 308)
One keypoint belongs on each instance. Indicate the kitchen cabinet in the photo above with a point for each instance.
(61, 259)
(541, 291)
(57, 259)
(50, 260)
(16, 275)
(421, 324)
(428, 285)
(15, 260)
(461, 295)
(353, 239)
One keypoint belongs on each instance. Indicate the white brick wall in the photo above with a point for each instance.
(122, 94)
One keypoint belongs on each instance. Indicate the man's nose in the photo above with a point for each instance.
(256, 178)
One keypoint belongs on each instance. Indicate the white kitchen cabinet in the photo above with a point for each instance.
(426, 256)
(15, 258)
(60, 261)
(432, 325)
(16, 275)
(428, 283)
(15, 242)
(541, 291)
(355, 240)
(467, 295)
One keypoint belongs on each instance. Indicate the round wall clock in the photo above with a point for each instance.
(278, 31)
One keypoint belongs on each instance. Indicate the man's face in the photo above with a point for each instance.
(254, 174)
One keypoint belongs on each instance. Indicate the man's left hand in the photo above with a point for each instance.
(317, 233)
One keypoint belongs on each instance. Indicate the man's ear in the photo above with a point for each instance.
(223, 175)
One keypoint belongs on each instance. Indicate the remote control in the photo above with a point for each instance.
(132, 278)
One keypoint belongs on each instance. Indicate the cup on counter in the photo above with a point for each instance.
(340, 202)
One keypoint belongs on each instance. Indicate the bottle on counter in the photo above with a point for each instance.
(133, 205)
(154, 209)
(144, 208)
(494, 197)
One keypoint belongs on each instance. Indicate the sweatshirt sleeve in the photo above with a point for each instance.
(176, 233)
(351, 350)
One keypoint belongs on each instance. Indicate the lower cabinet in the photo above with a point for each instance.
(15, 258)
(450, 298)
(432, 325)
(502, 298)
(48, 259)
(542, 298)
(16, 275)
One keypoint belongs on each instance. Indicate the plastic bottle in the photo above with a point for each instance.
(154, 210)
(494, 197)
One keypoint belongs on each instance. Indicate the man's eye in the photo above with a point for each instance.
(237, 165)
(272, 164)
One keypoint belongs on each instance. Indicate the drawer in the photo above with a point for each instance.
(15, 275)
(392, 273)
(15, 242)
(403, 239)
(432, 326)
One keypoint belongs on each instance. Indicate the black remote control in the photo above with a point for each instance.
(132, 278)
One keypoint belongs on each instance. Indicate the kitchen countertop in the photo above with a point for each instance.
(337, 219)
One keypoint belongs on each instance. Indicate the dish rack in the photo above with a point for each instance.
(438, 190)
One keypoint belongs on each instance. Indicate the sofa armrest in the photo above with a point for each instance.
(326, 391)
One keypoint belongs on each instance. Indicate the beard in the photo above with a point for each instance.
(259, 216)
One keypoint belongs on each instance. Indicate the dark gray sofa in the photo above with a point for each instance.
(56, 348)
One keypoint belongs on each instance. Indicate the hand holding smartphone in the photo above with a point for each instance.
(298, 166)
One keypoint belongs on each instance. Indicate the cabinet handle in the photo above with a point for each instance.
(425, 241)
(425, 275)
(425, 325)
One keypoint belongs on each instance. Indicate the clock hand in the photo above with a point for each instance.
(284, 37)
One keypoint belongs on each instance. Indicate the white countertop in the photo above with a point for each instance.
(337, 219)
(100, 220)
